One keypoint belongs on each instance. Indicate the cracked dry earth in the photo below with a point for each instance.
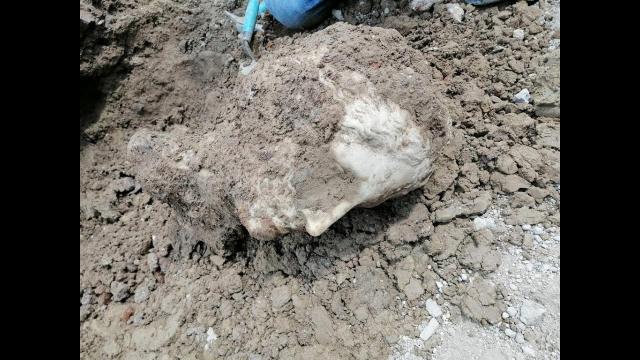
(465, 267)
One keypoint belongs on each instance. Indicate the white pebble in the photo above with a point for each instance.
(523, 97)
(480, 223)
(505, 315)
(422, 5)
(528, 350)
(518, 34)
(456, 11)
(433, 308)
(511, 311)
(531, 312)
(337, 13)
(429, 330)
(526, 227)
(510, 333)
(211, 335)
(538, 230)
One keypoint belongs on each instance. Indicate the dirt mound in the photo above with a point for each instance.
(349, 116)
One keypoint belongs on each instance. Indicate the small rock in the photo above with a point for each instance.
(433, 308)
(520, 338)
(538, 230)
(510, 333)
(138, 318)
(516, 65)
(194, 331)
(504, 15)
(127, 313)
(361, 313)
(152, 261)
(86, 17)
(87, 298)
(464, 277)
(548, 136)
(448, 213)
(141, 294)
(211, 335)
(480, 302)
(322, 325)
(520, 199)
(164, 264)
(511, 311)
(518, 34)
(456, 11)
(337, 13)
(280, 296)
(525, 216)
(414, 289)
(422, 5)
(104, 298)
(523, 97)
(483, 223)
(100, 289)
(85, 311)
(505, 315)
(509, 183)
(505, 164)
(217, 260)
(531, 312)
(527, 241)
(161, 245)
(429, 330)
(526, 227)
(521, 123)
(119, 291)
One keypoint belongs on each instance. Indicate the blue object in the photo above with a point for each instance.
(298, 14)
(481, 2)
(250, 17)
(262, 8)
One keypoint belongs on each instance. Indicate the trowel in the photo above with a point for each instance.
(246, 25)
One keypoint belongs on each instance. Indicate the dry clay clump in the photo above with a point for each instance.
(349, 116)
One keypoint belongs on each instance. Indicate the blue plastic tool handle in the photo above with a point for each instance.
(262, 8)
(250, 18)
(298, 14)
